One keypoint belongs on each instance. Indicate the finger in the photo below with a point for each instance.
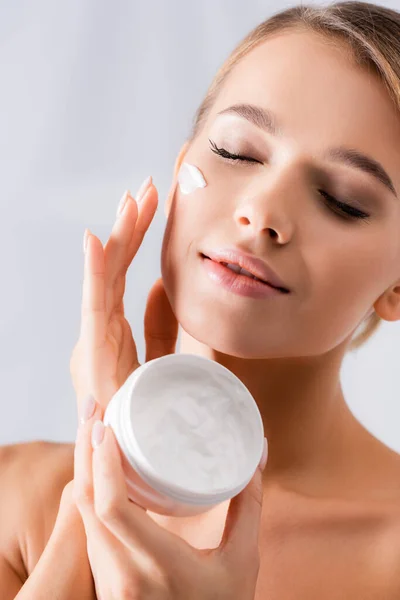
(160, 323)
(124, 242)
(117, 247)
(83, 489)
(101, 542)
(94, 322)
(83, 477)
(126, 520)
(239, 542)
(93, 315)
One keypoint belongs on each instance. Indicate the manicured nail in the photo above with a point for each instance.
(97, 433)
(264, 457)
(88, 407)
(122, 203)
(142, 190)
(85, 239)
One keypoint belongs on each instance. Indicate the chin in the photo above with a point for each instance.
(220, 334)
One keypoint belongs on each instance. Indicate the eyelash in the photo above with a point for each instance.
(347, 212)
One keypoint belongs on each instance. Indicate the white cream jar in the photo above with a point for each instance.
(190, 434)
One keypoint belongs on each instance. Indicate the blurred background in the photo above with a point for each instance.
(94, 97)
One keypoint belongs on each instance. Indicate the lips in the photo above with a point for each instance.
(249, 263)
(238, 284)
(240, 271)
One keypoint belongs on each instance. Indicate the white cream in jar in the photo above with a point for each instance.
(190, 434)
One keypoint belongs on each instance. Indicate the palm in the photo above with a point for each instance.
(115, 360)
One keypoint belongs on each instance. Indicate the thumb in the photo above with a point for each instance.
(160, 323)
(239, 542)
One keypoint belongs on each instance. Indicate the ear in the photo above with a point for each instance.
(178, 162)
(388, 304)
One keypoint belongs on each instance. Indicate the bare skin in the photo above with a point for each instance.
(311, 546)
(331, 524)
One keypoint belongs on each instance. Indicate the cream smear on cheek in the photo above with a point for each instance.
(190, 178)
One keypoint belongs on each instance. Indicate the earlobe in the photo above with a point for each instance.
(387, 307)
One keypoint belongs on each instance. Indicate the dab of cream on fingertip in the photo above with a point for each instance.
(190, 178)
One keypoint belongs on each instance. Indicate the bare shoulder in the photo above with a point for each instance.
(32, 478)
(382, 468)
(387, 546)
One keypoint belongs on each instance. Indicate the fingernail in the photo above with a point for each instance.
(122, 202)
(264, 457)
(97, 433)
(88, 408)
(85, 239)
(142, 190)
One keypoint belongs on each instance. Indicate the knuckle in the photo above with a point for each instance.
(67, 495)
(108, 512)
(128, 588)
(126, 592)
(68, 490)
(83, 494)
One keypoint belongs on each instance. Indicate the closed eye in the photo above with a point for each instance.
(229, 155)
(343, 210)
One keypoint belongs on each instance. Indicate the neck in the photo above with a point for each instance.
(308, 425)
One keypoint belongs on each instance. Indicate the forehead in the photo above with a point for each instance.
(319, 94)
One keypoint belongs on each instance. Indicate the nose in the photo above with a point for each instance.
(260, 218)
(268, 209)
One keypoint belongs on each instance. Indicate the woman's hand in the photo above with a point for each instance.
(131, 556)
(105, 354)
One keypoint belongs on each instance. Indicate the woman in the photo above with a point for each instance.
(279, 138)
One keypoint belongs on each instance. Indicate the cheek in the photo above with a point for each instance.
(181, 238)
(345, 280)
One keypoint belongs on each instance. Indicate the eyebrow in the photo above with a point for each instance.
(265, 119)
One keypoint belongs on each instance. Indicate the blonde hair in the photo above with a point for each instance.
(373, 34)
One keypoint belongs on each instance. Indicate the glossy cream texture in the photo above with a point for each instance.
(190, 178)
(196, 428)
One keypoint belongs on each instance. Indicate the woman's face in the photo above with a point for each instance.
(337, 267)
